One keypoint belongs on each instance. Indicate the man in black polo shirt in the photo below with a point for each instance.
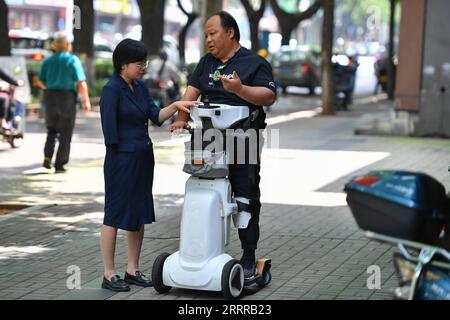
(233, 75)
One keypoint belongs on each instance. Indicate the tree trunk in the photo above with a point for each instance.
(84, 37)
(5, 44)
(286, 32)
(289, 21)
(328, 92)
(254, 38)
(183, 32)
(210, 7)
(213, 6)
(83, 43)
(390, 65)
(152, 21)
(254, 16)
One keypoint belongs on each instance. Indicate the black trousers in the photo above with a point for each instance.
(244, 179)
(3, 102)
(5, 111)
(60, 114)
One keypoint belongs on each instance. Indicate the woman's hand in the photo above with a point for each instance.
(170, 110)
(185, 105)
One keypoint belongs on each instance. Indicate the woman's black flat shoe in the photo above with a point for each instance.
(115, 284)
(138, 279)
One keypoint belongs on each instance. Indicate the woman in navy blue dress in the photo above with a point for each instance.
(125, 108)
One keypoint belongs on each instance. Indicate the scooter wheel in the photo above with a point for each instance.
(232, 279)
(266, 278)
(15, 142)
(157, 273)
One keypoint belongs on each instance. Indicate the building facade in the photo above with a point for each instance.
(423, 76)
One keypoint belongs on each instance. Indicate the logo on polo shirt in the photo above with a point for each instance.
(216, 76)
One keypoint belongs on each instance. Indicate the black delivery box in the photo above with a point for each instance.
(401, 204)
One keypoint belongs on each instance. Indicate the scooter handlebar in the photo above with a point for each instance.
(184, 131)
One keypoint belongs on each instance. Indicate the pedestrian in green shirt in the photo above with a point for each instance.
(61, 77)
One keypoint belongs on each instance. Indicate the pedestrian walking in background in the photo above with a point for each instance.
(61, 77)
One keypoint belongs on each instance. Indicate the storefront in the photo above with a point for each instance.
(46, 16)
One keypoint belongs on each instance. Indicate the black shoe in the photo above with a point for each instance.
(60, 170)
(115, 284)
(47, 163)
(138, 279)
(249, 266)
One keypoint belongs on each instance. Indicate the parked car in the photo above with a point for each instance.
(299, 67)
(102, 48)
(32, 45)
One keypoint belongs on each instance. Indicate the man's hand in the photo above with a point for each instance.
(179, 125)
(233, 85)
(41, 85)
(86, 105)
(83, 91)
(259, 96)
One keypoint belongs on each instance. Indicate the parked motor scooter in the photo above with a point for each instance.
(172, 91)
(13, 126)
(412, 211)
(173, 94)
(163, 93)
(156, 90)
(344, 78)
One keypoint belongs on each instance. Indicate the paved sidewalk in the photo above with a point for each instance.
(307, 230)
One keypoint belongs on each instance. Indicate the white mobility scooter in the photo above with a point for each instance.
(201, 262)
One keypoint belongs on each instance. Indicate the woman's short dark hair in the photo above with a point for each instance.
(227, 21)
(128, 51)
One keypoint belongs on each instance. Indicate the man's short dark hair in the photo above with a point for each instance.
(227, 21)
(128, 51)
